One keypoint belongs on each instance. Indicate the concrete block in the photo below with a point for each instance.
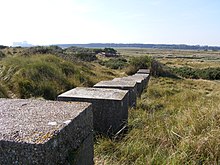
(131, 86)
(45, 132)
(139, 81)
(143, 71)
(110, 107)
(146, 78)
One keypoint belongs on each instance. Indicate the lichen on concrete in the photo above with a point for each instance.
(138, 80)
(94, 93)
(143, 71)
(110, 107)
(131, 86)
(42, 132)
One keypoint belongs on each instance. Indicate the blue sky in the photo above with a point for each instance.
(110, 21)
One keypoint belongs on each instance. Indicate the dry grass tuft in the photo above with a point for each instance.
(176, 122)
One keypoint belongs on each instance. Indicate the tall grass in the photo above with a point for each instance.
(138, 62)
(175, 122)
(46, 75)
(114, 63)
(3, 92)
(206, 73)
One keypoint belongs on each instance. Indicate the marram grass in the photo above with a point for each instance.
(175, 122)
(46, 75)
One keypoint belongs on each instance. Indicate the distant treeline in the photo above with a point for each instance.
(155, 46)
(152, 46)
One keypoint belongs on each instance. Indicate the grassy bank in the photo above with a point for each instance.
(48, 71)
(46, 75)
(176, 122)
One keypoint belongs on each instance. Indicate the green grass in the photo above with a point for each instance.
(205, 73)
(46, 75)
(137, 62)
(37, 76)
(3, 93)
(175, 122)
(114, 63)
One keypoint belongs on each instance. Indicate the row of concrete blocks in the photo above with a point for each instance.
(54, 132)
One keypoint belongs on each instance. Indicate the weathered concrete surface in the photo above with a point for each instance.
(146, 78)
(123, 85)
(45, 132)
(110, 107)
(138, 80)
(143, 71)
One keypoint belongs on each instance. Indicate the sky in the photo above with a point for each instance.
(46, 22)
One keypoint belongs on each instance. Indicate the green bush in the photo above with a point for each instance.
(110, 50)
(141, 62)
(115, 63)
(137, 63)
(206, 73)
(3, 47)
(70, 54)
(97, 51)
(43, 50)
(86, 56)
(78, 50)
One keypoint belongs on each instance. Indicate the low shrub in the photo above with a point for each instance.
(115, 63)
(136, 63)
(206, 73)
(3, 47)
(141, 62)
(110, 50)
(43, 50)
(83, 54)
(86, 56)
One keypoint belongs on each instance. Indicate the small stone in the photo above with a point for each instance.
(52, 123)
(67, 122)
